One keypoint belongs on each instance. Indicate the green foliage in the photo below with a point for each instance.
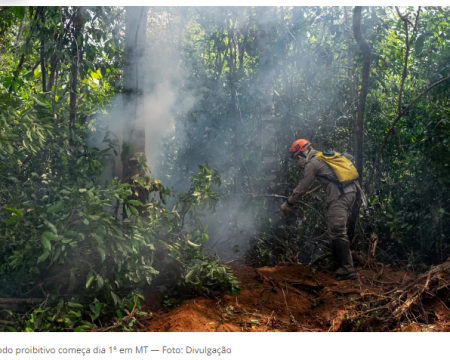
(75, 316)
(210, 275)
(316, 78)
(63, 231)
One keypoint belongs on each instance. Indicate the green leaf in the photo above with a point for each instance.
(115, 298)
(56, 207)
(82, 327)
(94, 75)
(86, 222)
(50, 236)
(29, 75)
(189, 275)
(43, 256)
(7, 81)
(100, 282)
(36, 100)
(134, 210)
(102, 253)
(74, 305)
(19, 11)
(12, 220)
(135, 202)
(419, 44)
(72, 282)
(119, 312)
(52, 227)
(192, 244)
(89, 281)
(45, 242)
(15, 211)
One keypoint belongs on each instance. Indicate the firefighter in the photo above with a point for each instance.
(341, 190)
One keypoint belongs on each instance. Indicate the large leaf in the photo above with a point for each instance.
(102, 253)
(45, 242)
(89, 281)
(50, 236)
(72, 282)
(52, 227)
(43, 256)
(56, 207)
(418, 46)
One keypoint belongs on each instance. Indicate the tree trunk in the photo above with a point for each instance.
(359, 120)
(183, 15)
(53, 65)
(77, 27)
(353, 216)
(233, 102)
(133, 148)
(265, 69)
(235, 115)
(33, 23)
(43, 70)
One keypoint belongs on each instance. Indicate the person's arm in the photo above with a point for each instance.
(305, 182)
(350, 157)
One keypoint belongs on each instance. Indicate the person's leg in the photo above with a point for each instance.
(332, 265)
(338, 212)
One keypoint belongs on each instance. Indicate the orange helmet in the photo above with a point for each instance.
(298, 146)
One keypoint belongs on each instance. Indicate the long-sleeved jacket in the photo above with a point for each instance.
(320, 169)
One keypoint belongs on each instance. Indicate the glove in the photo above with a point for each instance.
(285, 207)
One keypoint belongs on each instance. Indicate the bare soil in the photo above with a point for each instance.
(297, 298)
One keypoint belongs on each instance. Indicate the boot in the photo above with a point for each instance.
(332, 265)
(346, 270)
(349, 276)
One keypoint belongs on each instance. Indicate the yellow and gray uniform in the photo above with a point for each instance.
(339, 203)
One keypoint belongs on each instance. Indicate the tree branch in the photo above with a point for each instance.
(405, 68)
(286, 197)
(298, 202)
(27, 43)
(359, 119)
(417, 19)
(391, 130)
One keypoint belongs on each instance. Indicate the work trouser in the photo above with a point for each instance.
(338, 211)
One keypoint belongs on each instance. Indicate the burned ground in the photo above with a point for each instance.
(298, 298)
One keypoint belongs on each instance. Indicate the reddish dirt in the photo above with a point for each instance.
(287, 298)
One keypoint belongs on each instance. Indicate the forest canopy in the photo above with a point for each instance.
(142, 146)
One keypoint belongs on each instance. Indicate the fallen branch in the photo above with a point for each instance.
(298, 202)
(271, 195)
(31, 301)
(310, 207)
(320, 258)
(346, 291)
(233, 261)
(19, 305)
(406, 299)
(285, 197)
(294, 290)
